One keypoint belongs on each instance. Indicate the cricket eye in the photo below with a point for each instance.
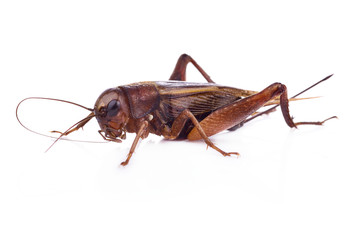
(113, 108)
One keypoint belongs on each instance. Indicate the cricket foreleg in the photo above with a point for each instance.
(179, 124)
(179, 72)
(141, 133)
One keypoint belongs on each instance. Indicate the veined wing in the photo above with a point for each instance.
(197, 97)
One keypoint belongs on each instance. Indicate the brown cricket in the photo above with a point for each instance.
(178, 109)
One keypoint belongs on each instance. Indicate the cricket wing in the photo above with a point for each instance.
(199, 99)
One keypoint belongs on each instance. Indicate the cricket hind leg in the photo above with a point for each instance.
(234, 114)
(178, 125)
(179, 72)
(273, 109)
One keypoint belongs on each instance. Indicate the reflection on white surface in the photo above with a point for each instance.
(288, 184)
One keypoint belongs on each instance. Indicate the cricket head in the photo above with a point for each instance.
(112, 112)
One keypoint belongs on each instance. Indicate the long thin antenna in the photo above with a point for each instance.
(52, 99)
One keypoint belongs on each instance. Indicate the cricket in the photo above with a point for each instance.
(177, 109)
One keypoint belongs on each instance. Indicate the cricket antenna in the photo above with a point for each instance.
(75, 127)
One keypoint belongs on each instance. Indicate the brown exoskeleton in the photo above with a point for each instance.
(178, 109)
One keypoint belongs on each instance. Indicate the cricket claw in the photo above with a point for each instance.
(225, 154)
(124, 163)
(231, 153)
(54, 131)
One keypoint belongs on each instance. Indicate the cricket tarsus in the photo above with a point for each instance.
(182, 110)
(316, 123)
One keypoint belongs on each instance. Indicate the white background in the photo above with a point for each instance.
(287, 184)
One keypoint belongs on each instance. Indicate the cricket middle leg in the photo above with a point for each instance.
(179, 72)
(178, 125)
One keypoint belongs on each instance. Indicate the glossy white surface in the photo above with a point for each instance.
(288, 184)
